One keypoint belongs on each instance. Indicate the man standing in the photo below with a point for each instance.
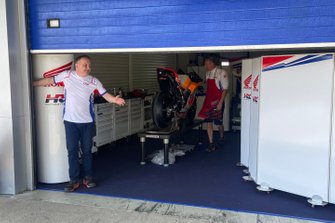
(213, 107)
(78, 116)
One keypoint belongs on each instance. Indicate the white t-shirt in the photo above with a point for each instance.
(220, 76)
(79, 96)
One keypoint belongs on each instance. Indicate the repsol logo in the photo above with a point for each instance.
(54, 100)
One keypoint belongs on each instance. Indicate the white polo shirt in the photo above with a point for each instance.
(79, 96)
(220, 76)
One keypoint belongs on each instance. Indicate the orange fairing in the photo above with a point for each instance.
(185, 83)
(193, 86)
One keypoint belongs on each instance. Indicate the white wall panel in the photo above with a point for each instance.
(16, 162)
(7, 176)
(332, 156)
(254, 117)
(5, 102)
(295, 123)
(245, 110)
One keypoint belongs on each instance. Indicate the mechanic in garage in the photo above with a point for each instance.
(213, 107)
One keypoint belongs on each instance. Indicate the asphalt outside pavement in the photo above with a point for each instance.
(41, 206)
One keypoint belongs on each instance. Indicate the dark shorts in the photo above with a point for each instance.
(218, 121)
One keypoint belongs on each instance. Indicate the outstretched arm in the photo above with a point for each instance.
(43, 82)
(111, 99)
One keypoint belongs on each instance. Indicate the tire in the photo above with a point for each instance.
(163, 101)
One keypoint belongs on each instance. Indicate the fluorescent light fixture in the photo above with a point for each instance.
(224, 63)
(53, 23)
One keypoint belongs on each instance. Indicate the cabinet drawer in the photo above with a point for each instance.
(121, 115)
(136, 105)
(121, 120)
(103, 113)
(105, 126)
(103, 107)
(121, 109)
(135, 116)
(103, 119)
(103, 138)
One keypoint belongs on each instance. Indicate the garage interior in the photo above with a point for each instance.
(199, 178)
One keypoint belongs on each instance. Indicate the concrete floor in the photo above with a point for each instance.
(51, 207)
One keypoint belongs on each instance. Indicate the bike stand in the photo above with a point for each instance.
(165, 135)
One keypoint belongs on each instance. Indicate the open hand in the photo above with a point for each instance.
(119, 101)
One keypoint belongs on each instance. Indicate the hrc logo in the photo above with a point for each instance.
(55, 100)
(247, 96)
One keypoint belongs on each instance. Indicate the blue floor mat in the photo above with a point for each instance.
(199, 178)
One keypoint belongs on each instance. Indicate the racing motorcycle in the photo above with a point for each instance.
(175, 104)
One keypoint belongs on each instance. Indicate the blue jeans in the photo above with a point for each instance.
(76, 132)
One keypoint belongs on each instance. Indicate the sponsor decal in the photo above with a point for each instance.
(247, 82)
(280, 62)
(255, 84)
(255, 99)
(247, 95)
(56, 99)
(271, 60)
(55, 72)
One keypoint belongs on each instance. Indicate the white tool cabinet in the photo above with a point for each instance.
(113, 122)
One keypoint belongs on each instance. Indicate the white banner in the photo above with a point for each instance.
(295, 123)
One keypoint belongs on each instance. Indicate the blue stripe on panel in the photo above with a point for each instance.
(312, 59)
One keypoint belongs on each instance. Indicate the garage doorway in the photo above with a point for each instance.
(199, 178)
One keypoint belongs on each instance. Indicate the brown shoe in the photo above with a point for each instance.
(72, 186)
(88, 182)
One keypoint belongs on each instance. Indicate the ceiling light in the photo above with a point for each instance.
(224, 63)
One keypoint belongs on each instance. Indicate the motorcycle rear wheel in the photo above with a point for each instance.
(162, 114)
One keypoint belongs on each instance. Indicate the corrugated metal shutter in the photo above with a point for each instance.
(115, 24)
(144, 69)
(111, 69)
